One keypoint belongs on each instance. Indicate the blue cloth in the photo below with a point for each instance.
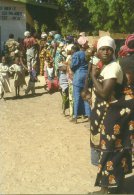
(81, 107)
(80, 68)
(33, 76)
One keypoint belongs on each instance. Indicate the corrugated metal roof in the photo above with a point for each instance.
(48, 4)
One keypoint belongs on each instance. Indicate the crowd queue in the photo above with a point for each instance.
(94, 81)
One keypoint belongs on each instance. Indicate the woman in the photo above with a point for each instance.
(79, 67)
(111, 120)
(42, 52)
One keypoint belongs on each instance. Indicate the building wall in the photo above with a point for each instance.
(12, 20)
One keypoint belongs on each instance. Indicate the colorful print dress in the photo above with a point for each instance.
(112, 131)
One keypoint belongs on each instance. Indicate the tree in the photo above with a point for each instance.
(112, 15)
(73, 16)
(36, 26)
(43, 28)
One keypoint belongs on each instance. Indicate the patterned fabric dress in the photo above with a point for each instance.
(112, 127)
(42, 55)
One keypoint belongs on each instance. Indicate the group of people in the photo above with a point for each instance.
(55, 58)
(93, 84)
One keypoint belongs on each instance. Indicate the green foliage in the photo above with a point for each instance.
(72, 16)
(43, 28)
(36, 26)
(112, 15)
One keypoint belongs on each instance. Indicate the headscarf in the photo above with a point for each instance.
(128, 47)
(26, 33)
(82, 34)
(82, 40)
(57, 37)
(43, 35)
(106, 41)
(70, 39)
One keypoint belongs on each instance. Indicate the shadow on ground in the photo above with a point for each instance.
(39, 87)
(26, 96)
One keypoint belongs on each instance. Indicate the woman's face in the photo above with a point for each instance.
(106, 54)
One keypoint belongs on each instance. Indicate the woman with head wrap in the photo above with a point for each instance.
(112, 120)
(42, 51)
(128, 48)
(56, 51)
(30, 45)
(79, 66)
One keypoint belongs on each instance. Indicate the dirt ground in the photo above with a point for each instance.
(41, 151)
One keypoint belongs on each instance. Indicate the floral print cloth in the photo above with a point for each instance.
(112, 133)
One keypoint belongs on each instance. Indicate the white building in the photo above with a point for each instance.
(14, 16)
(12, 20)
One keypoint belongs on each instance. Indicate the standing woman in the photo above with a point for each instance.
(79, 66)
(112, 120)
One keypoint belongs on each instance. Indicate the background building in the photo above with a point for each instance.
(16, 16)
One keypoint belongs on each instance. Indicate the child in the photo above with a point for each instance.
(19, 76)
(70, 78)
(4, 78)
(52, 83)
(63, 82)
(32, 80)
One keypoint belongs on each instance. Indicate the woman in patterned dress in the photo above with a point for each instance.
(112, 120)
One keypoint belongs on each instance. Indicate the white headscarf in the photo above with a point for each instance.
(82, 34)
(106, 41)
(43, 35)
(26, 33)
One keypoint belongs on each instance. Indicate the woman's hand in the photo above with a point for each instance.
(95, 71)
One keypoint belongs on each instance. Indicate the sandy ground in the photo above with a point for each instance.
(41, 151)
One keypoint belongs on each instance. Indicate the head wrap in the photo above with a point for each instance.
(127, 63)
(57, 37)
(106, 41)
(26, 33)
(61, 44)
(128, 47)
(69, 47)
(51, 33)
(123, 51)
(70, 39)
(43, 35)
(129, 40)
(82, 40)
(82, 34)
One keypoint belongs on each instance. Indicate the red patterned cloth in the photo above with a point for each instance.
(128, 47)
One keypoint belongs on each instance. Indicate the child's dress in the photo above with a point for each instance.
(19, 76)
(63, 82)
(31, 83)
(4, 79)
(51, 81)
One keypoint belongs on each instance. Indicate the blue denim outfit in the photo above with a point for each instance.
(80, 68)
